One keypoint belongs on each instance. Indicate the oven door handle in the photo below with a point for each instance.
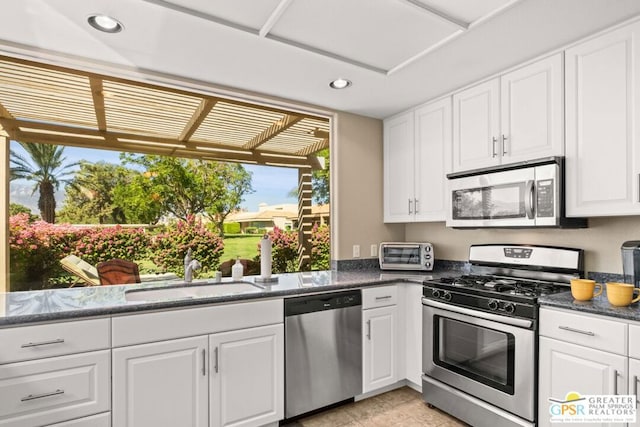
(522, 323)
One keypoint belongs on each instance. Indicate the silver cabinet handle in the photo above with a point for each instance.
(204, 363)
(493, 145)
(615, 381)
(216, 367)
(42, 395)
(415, 205)
(410, 207)
(579, 331)
(369, 330)
(504, 144)
(635, 388)
(384, 297)
(38, 344)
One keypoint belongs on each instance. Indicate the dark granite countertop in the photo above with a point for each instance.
(598, 305)
(17, 308)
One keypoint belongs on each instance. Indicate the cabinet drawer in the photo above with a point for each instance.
(100, 420)
(589, 330)
(56, 339)
(43, 392)
(379, 297)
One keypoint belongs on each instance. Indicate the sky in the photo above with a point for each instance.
(271, 184)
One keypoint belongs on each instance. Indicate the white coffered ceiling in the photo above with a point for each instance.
(398, 53)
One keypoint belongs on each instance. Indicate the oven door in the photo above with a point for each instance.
(488, 356)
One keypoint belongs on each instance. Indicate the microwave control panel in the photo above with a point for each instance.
(545, 199)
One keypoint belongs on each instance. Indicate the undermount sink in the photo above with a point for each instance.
(191, 291)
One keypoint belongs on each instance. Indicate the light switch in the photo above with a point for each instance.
(356, 251)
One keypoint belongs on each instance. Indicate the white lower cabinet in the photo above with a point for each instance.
(161, 384)
(580, 353)
(379, 337)
(247, 377)
(231, 376)
(46, 391)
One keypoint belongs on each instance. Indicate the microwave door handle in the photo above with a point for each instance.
(529, 197)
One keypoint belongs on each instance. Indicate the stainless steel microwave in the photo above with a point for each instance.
(525, 194)
(406, 256)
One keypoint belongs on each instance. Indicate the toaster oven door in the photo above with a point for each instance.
(401, 257)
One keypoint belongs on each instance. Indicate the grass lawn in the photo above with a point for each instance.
(242, 245)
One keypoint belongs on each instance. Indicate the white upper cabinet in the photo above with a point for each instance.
(603, 141)
(398, 168)
(417, 152)
(512, 118)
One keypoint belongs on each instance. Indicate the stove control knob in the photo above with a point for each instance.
(509, 307)
(436, 293)
(446, 295)
(493, 304)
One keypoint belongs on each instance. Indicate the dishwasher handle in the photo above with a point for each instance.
(322, 302)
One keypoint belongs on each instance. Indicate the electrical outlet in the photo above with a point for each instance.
(356, 251)
(374, 250)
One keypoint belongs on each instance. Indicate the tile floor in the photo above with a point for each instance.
(402, 407)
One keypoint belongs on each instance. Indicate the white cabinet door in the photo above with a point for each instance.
(634, 385)
(398, 168)
(161, 384)
(566, 367)
(602, 130)
(432, 159)
(380, 365)
(247, 376)
(532, 111)
(476, 126)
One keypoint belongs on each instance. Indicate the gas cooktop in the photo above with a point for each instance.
(508, 279)
(490, 284)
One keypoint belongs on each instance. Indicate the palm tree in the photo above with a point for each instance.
(46, 167)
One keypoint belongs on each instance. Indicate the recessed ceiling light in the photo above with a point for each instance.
(105, 23)
(340, 84)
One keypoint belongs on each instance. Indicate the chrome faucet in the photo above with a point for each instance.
(190, 265)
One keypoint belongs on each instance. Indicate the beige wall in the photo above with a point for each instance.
(601, 240)
(356, 187)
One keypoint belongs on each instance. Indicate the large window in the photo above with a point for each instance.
(72, 208)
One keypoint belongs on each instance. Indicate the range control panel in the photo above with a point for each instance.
(518, 252)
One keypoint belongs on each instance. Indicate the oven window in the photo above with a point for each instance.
(401, 255)
(482, 354)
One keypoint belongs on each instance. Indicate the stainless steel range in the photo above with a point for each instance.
(480, 332)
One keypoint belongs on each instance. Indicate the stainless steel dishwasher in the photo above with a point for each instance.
(323, 350)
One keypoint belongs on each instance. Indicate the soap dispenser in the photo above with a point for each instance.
(237, 270)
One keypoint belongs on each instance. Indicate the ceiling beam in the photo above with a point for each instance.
(98, 102)
(439, 14)
(272, 131)
(46, 133)
(314, 148)
(198, 117)
(274, 17)
(6, 129)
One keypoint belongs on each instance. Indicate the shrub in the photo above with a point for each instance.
(251, 230)
(170, 247)
(231, 227)
(113, 242)
(321, 247)
(35, 247)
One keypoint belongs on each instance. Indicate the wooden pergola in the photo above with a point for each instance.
(55, 105)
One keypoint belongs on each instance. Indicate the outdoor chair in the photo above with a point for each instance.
(118, 272)
(81, 269)
(88, 273)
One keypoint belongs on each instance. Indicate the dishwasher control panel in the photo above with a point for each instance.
(329, 301)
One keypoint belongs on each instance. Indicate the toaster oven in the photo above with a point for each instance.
(406, 256)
